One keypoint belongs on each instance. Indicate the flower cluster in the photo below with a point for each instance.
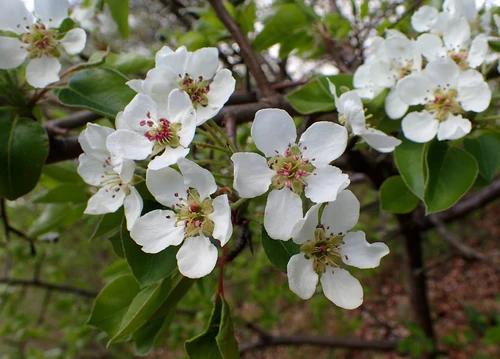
(37, 38)
(445, 88)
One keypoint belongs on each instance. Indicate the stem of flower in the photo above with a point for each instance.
(222, 260)
(223, 134)
(209, 161)
(214, 135)
(222, 175)
(238, 203)
(207, 145)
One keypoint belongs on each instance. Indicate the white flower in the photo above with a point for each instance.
(194, 217)
(326, 246)
(153, 129)
(350, 107)
(99, 167)
(456, 44)
(290, 167)
(459, 8)
(429, 19)
(363, 83)
(446, 92)
(37, 39)
(193, 72)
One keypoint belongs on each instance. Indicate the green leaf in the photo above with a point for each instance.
(109, 225)
(66, 192)
(24, 146)
(486, 150)
(217, 341)
(278, 252)
(410, 160)
(119, 12)
(179, 290)
(452, 172)
(53, 215)
(142, 308)
(395, 197)
(246, 17)
(100, 90)
(64, 172)
(494, 45)
(281, 27)
(112, 303)
(130, 63)
(148, 268)
(151, 334)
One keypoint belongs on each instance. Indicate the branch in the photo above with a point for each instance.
(333, 49)
(9, 229)
(62, 149)
(75, 120)
(49, 286)
(246, 51)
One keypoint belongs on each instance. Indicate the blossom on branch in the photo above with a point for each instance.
(37, 38)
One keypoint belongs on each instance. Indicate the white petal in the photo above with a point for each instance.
(342, 288)
(93, 140)
(12, 52)
(203, 62)
(74, 41)
(323, 142)
(43, 71)
(133, 207)
(283, 211)
(419, 126)
(164, 184)
(157, 230)
(91, 169)
(221, 216)
(162, 53)
(474, 93)
(273, 131)
(379, 140)
(15, 16)
(443, 72)
(137, 111)
(51, 12)
(431, 46)
(197, 177)
(252, 175)
(136, 85)
(205, 113)
(221, 88)
(424, 18)
(394, 107)
(158, 84)
(457, 34)
(414, 89)
(105, 201)
(125, 168)
(120, 123)
(399, 50)
(173, 61)
(362, 77)
(304, 228)
(128, 144)
(354, 116)
(478, 50)
(342, 214)
(178, 103)
(168, 157)
(382, 74)
(324, 184)
(302, 278)
(357, 252)
(453, 128)
(197, 257)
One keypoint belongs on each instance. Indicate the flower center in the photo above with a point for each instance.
(324, 250)
(41, 41)
(162, 133)
(196, 89)
(444, 103)
(194, 214)
(460, 58)
(111, 180)
(291, 169)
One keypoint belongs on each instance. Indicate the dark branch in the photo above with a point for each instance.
(49, 286)
(9, 229)
(75, 120)
(62, 149)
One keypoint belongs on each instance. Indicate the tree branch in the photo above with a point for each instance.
(246, 51)
(75, 120)
(9, 229)
(49, 286)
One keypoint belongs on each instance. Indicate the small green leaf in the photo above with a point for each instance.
(148, 268)
(151, 334)
(246, 17)
(225, 339)
(142, 308)
(395, 197)
(53, 215)
(180, 288)
(278, 252)
(109, 225)
(410, 161)
(452, 172)
(66, 192)
(130, 63)
(494, 45)
(112, 303)
(24, 146)
(100, 90)
(486, 150)
(119, 12)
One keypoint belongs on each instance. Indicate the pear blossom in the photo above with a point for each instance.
(326, 246)
(430, 19)
(363, 83)
(455, 44)
(37, 38)
(290, 168)
(350, 108)
(193, 219)
(148, 129)
(192, 72)
(445, 92)
(114, 175)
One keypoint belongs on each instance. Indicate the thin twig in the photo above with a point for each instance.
(9, 229)
(49, 286)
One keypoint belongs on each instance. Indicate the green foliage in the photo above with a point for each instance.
(410, 160)
(279, 252)
(101, 90)
(24, 146)
(119, 12)
(395, 197)
(486, 151)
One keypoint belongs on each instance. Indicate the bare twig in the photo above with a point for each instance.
(9, 229)
(243, 241)
(49, 286)
(332, 48)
